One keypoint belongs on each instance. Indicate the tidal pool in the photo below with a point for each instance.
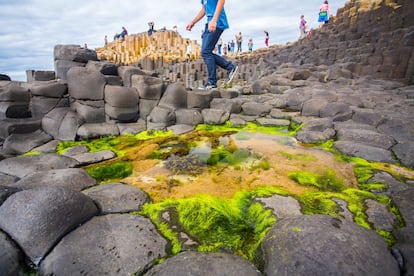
(263, 160)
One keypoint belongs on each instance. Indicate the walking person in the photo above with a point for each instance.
(216, 24)
(324, 13)
(266, 38)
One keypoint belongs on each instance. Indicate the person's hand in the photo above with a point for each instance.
(212, 26)
(189, 26)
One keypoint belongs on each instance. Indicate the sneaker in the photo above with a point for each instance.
(208, 87)
(231, 74)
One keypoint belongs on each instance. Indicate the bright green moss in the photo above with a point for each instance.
(237, 225)
(95, 145)
(324, 182)
(151, 134)
(31, 153)
(252, 127)
(117, 170)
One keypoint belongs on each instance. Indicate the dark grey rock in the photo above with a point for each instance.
(93, 157)
(322, 245)
(122, 114)
(405, 204)
(162, 114)
(336, 111)
(85, 84)
(63, 66)
(215, 116)
(73, 178)
(127, 72)
(312, 137)
(62, 123)
(145, 107)
(6, 179)
(22, 143)
(407, 253)
(120, 96)
(74, 53)
(256, 109)
(379, 215)
(90, 111)
(49, 89)
(113, 244)
(6, 191)
(273, 122)
(27, 217)
(318, 124)
(106, 68)
(132, 128)
(364, 151)
(229, 105)
(9, 126)
(89, 131)
(313, 107)
(282, 206)
(149, 88)
(199, 99)
(117, 197)
(76, 150)
(179, 129)
(40, 106)
(368, 137)
(405, 153)
(23, 165)
(201, 263)
(190, 117)
(367, 116)
(10, 257)
(393, 185)
(174, 97)
(402, 129)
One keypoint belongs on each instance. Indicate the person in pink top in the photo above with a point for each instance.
(324, 13)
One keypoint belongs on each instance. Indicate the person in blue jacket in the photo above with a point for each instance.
(216, 24)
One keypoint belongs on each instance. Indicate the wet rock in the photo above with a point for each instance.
(200, 263)
(322, 245)
(112, 244)
(283, 206)
(27, 215)
(117, 197)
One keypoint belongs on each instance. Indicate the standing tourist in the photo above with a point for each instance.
(302, 26)
(216, 24)
(239, 40)
(250, 44)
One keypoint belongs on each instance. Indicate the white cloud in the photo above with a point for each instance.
(31, 28)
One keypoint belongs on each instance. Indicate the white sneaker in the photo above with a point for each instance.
(231, 74)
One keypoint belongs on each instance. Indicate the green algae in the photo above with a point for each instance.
(299, 156)
(290, 130)
(113, 171)
(235, 225)
(327, 181)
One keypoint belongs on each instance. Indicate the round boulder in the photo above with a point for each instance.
(323, 245)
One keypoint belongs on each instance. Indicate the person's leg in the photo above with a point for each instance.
(208, 44)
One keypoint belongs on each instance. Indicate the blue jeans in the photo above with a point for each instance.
(211, 60)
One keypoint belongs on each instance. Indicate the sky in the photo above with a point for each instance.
(31, 28)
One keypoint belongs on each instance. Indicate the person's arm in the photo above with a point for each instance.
(197, 18)
(213, 23)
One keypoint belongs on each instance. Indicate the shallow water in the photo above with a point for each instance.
(282, 155)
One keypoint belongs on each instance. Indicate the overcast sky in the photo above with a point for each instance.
(31, 28)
